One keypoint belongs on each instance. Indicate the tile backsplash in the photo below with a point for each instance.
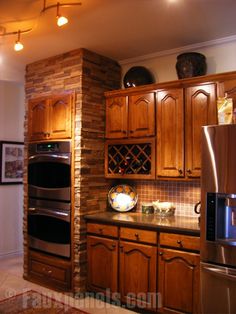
(184, 195)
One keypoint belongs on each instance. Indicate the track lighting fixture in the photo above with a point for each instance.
(61, 20)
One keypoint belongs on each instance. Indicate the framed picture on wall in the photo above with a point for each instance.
(12, 161)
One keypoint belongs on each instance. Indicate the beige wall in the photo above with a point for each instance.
(220, 58)
(11, 196)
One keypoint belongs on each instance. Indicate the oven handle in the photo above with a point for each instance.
(51, 213)
(47, 157)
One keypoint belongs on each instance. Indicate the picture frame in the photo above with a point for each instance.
(11, 162)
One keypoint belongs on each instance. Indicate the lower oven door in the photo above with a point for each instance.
(218, 289)
(50, 231)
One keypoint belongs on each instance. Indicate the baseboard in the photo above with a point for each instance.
(11, 254)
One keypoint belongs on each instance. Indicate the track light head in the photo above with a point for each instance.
(18, 45)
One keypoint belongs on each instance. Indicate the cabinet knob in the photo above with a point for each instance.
(131, 131)
(189, 171)
(180, 171)
(136, 236)
(179, 242)
(160, 253)
(49, 272)
(100, 230)
(113, 245)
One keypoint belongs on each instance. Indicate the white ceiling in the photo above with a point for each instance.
(120, 29)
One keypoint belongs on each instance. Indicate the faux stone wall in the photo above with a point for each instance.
(88, 75)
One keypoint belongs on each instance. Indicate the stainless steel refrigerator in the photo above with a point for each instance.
(218, 220)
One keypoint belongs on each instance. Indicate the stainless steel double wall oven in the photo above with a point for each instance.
(49, 191)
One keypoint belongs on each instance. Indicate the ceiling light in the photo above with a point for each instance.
(18, 45)
(61, 20)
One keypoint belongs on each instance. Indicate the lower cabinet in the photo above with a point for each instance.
(102, 264)
(178, 274)
(50, 271)
(137, 275)
(148, 270)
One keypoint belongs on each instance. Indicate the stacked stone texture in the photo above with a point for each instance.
(88, 76)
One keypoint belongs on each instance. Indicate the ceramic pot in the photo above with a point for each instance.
(190, 64)
(137, 76)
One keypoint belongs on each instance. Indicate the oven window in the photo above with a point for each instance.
(49, 229)
(49, 175)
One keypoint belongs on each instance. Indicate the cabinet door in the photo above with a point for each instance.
(200, 110)
(60, 116)
(178, 281)
(102, 264)
(138, 275)
(142, 115)
(117, 117)
(38, 119)
(170, 133)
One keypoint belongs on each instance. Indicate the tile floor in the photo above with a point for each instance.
(12, 283)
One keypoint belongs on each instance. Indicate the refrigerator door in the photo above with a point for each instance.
(218, 287)
(218, 192)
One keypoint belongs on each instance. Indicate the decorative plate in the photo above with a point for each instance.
(122, 197)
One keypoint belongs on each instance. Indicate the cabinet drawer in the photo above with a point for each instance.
(180, 241)
(138, 235)
(53, 273)
(106, 230)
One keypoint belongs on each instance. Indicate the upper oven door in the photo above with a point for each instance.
(49, 176)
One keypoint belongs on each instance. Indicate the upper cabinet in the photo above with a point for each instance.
(50, 118)
(130, 116)
(177, 110)
(200, 102)
(181, 113)
(170, 133)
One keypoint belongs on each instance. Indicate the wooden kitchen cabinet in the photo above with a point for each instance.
(50, 118)
(102, 264)
(117, 117)
(50, 271)
(178, 281)
(201, 109)
(137, 274)
(178, 273)
(130, 116)
(179, 122)
(170, 133)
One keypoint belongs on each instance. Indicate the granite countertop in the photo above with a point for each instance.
(174, 224)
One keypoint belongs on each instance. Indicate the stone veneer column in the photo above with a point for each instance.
(88, 75)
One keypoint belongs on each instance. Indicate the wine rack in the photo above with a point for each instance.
(134, 159)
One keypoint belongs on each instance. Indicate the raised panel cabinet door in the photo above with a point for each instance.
(200, 110)
(178, 281)
(60, 116)
(142, 115)
(102, 264)
(38, 119)
(117, 117)
(170, 133)
(137, 276)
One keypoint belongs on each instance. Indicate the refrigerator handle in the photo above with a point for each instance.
(220, 272)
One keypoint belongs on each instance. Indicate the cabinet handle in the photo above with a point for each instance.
(180, 171)
(179, 242)
(123, 131)
(137, 236)
(131, 131)
(160, 253)
(189, 171)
